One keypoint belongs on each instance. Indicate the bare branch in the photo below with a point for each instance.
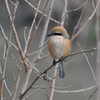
(25, 81)
(64, 12)
(5, 37)
(88, 64)
(43, 47)
(93, 93)
(53, 82)
(5, 57)
(76, 8)
(77, 91)
(86, 22)
(32, 37)
(41, 58)
(16, 62)
(58, 88)
(25, 33)
(35, 91)
(13, 97)
(44, 31)
(7, 87)
(15, 9)
(40, 11)
(21, 96)
(80, 18)
(28, 72)
(30, 30)
(14, 31)
(0, 69)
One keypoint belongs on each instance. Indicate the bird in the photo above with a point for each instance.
(59, 46)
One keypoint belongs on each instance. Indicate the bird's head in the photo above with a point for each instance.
(59, 31)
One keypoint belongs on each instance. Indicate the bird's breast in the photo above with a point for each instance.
(56, 46)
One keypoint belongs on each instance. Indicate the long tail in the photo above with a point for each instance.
(61, 70)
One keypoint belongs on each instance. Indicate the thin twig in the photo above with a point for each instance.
(0, 69)
(6, 86)
(19, 48)
(28, 69)
(43, 47)
(14, 12)
(80, 18)
(14, 31)
(15, 87)
(32, 37)
(30, 30)
(97, 28)
(16, 62)
(53, 83)
(35, 91)
(44, 32)
(86, 22)
(77, 91)
(68, 11)
(93, 93)
(25, 33)
(43, 57)
(5, 57)
(5, 37)
(21, 96)
(58, 88)
(40, 11)
(64, 12)
(88, 63)
(93, 4)
(91, 72)
(23, 92)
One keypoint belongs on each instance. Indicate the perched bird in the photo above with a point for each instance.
(59, 46)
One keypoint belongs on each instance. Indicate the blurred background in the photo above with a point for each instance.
(77, 71)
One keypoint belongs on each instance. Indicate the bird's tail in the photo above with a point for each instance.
(61, 70)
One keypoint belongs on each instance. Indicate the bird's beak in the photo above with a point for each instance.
(49, 34)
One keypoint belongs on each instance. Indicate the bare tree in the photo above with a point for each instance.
(27, 64)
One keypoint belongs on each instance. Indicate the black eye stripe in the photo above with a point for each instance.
(59, 34)
(54, 34)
